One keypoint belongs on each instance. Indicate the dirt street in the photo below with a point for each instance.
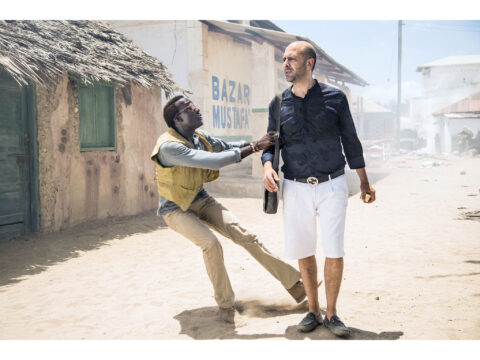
(412, 270)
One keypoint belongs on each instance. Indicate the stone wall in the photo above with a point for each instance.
(76, 186)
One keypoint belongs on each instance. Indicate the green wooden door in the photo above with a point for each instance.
(15, 159)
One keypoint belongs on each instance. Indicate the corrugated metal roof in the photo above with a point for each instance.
(470, 104)
(452, 60)
(263, 24)
(325, 63)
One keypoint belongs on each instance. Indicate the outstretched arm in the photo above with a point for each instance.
(176, 154)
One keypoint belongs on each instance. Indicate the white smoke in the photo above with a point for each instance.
(387, 93)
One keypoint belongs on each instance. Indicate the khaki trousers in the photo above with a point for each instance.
(196, 224)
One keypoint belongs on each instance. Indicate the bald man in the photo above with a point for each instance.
(315, 124)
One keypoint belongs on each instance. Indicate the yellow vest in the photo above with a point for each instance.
(181, 184)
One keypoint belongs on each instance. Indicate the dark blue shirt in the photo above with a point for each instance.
(314, 129)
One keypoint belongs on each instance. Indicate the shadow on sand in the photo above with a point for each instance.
(34, 252)
(205, 324)
(477, 262)
(447, 275)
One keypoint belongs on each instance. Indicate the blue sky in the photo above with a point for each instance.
(369, 48)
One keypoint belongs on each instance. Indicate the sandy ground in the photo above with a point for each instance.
(412, 270)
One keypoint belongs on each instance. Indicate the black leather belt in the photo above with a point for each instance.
(315, 180)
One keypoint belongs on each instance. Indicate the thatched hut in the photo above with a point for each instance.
(80, 109)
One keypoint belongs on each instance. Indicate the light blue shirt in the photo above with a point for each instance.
(176, 154)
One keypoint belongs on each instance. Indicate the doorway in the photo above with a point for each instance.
(18, 159)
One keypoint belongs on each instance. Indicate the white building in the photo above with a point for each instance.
(444, 82)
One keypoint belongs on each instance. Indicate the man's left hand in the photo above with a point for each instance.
(367, 193)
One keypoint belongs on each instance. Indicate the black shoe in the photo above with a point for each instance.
(309, 322)
(336, 326)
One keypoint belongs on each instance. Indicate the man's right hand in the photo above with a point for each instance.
(270, 176)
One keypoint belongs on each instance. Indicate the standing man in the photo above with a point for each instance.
(187, 158)
(315, 122)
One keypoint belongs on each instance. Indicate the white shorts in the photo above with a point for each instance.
(301, 205)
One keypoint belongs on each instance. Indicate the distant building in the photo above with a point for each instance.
(458, 120)
(444, 82)
(80, 111)
(372, 121)
(444, 76)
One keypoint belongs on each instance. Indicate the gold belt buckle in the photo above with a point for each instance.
(312, 181)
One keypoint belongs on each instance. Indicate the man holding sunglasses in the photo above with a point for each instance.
(187, 158)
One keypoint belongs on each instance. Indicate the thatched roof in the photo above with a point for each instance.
(39, 51)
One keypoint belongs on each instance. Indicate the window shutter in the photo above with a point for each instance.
(97, 117)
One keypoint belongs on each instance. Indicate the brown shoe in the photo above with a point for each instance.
(227, 314)
(297, 291)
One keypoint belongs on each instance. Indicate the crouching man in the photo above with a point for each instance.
(187, 158)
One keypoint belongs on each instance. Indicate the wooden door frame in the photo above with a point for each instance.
(33, 181)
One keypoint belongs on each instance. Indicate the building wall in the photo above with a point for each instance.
(179, 44)
(167, 40)
(228, 94)
(77, 186)
(440, 80)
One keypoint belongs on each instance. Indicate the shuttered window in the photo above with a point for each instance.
(96, 106)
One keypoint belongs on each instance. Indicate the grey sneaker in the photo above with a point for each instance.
(336, 326)
(310, 322)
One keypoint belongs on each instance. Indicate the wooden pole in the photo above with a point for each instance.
(399, 84)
